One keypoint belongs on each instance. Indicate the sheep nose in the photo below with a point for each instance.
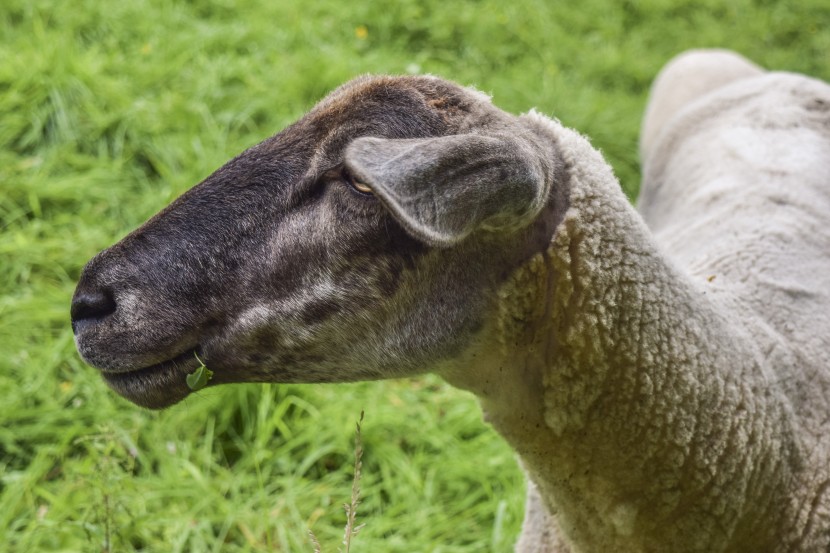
(90, 307)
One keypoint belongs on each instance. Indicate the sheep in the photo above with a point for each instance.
(661, 372)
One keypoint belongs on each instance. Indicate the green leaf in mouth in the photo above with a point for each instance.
(200, 377)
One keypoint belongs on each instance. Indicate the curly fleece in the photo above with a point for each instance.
(680, 369)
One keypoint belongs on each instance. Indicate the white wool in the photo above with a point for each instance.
(670, 391)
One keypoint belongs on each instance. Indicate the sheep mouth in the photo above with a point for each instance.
(155, 386)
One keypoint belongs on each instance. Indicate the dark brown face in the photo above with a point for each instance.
(280, 267)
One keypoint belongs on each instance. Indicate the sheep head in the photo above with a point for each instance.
(367, 240)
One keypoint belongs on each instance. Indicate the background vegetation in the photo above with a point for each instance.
(108, 110)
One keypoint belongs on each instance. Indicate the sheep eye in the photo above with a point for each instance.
(357, 185)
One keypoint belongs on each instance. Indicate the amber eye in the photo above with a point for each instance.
(357, 185)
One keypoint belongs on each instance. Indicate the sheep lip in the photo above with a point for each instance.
(155, 386)
(181, 359)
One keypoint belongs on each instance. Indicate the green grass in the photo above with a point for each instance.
(108, 110)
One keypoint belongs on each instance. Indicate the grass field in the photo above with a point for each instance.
(108, 110)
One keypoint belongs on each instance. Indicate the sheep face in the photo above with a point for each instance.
(365, 241)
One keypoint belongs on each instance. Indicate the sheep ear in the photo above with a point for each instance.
(442, 189)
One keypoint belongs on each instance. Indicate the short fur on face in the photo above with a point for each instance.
(277, 268)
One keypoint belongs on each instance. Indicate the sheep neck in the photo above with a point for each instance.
(601, 370)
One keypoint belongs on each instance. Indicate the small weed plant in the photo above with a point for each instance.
(352, 528)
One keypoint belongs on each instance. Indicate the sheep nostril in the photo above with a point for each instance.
(90, 307)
